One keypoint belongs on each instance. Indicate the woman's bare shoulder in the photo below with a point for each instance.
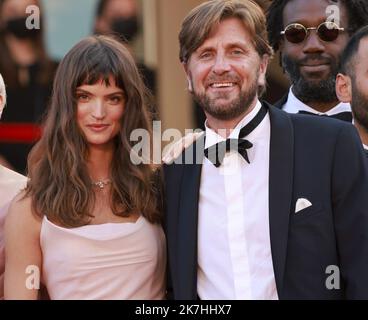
(20, 215)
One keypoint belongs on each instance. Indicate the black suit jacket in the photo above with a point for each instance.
(318, 159)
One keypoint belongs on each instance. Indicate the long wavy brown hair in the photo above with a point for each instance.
(60, 185)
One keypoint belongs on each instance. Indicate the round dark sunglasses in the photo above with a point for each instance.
(296, 33)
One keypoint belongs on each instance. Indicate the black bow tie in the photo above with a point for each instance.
(344, 116)
(216, 153)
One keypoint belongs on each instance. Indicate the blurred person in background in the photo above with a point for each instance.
(121, 18)
(28, 73)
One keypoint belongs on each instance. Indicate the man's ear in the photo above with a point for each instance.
(343, 88)
(187, 73)
(263, 70)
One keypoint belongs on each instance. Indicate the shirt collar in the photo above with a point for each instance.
(294, 105)
(212, 137)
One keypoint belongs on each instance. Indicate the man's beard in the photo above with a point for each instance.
(233, 109)
(359, 105)
(311, 91)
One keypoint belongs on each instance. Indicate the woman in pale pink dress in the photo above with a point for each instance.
(88, 224)
(11, 184)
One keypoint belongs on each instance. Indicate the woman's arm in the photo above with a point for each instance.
(23, 258)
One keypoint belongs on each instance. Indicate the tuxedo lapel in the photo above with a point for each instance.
(188, 221)
(280, 188)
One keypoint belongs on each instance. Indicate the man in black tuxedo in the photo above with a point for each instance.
(311, 35)
(352, 81)
(265, 204)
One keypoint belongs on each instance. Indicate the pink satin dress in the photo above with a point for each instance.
(111, 261)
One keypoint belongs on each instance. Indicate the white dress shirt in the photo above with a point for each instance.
(294, 105)
(234, 249)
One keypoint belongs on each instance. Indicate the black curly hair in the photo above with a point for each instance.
(357, 15)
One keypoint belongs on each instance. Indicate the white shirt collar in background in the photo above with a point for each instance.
(294, 105)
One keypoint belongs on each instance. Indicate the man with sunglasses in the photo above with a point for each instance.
(311, 35)
(352, 81)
